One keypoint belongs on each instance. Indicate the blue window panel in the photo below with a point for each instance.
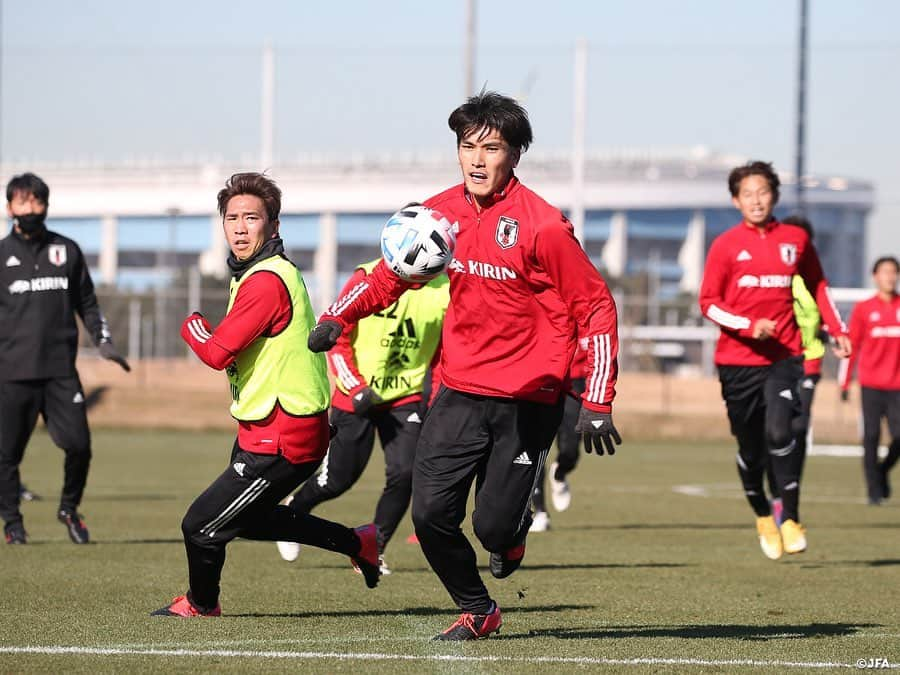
(361, 228)
(183, 233)
(85, 231)
(300, 231)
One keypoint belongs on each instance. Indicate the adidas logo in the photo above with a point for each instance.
(13, 261)
(358, 397)
(78, 398)
(809, 384)
(456, 266)
(523, 459)
(786, 393)
(239, 468)
(744, 255)
(414, 418)
(597, 424)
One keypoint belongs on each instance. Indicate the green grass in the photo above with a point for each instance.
(633, 570)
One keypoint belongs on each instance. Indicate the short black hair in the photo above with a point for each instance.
(255, 184)
(885, 259)
(803, 223)
(30, 184)
(754, 168)
(490, 111)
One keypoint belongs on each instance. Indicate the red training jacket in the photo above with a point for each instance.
(342, 361)
(875, 334)
(262, 306)
(748, 277)
(517, 276)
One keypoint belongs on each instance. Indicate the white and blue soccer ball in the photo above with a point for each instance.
(417, 243)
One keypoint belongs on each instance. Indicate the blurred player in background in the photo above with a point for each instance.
(567, 442)
(379, 368)
(44, 283)
(810, 322)
(747, 291)
(280, 400)
(875, 332)
(518, 282)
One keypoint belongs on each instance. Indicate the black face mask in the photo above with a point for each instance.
(30, 224)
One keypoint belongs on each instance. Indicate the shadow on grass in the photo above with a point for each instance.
(134, 497)
(406, 611)
(701, 632)
(659, 526)
(878, 562)
(117, 542)
(601, 566)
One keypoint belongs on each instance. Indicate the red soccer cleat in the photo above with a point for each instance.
(367, 560)
(183, 607)
(473, 626)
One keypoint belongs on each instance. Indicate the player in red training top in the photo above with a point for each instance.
(518, 283)
(746, 290)
(875, 333)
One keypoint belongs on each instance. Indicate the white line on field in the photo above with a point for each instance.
(350, 656)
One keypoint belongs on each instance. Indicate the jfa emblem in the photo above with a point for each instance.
(57, 254)
(507, 232)
(788, 253)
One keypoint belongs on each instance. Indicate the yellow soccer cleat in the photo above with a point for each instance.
(794, 536)
(769, 537)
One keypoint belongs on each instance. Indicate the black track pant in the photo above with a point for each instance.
(243, 502)
(806, 393)
(878, 404)
(398, 430)
(567, 444)
(762, 405)
(61, 403)
(497, 443)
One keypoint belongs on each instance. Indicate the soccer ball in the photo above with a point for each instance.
(417, 243)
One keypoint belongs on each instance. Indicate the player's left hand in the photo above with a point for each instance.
(599, 431)
(324, 336)
(107, 351)
(842, 347)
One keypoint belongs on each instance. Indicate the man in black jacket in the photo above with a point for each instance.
(44, 283)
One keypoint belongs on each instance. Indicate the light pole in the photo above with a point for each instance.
(800, 168)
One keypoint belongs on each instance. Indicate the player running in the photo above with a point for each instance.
(280, 392)
(379, 368)
(44, 283)
(567, 442)
(746, 290)
(518, 276)
(875, 332)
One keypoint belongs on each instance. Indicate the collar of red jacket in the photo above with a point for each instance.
(497, 196)
(771, 225)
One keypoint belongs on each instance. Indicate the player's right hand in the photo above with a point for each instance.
(845, 395)
(324, 336)
(763, 329)
(364, 400)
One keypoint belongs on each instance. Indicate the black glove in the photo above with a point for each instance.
(324, 336)
(107, 351)
(845, 395)
(364, 400)
(598, 431)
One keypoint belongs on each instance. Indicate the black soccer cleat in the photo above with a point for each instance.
(472, 626)
(504, 564)
(15, 533)
(75, 526)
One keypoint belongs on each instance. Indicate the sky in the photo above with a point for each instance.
(172, 79)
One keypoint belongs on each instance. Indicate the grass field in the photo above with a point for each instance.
(654, 568)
